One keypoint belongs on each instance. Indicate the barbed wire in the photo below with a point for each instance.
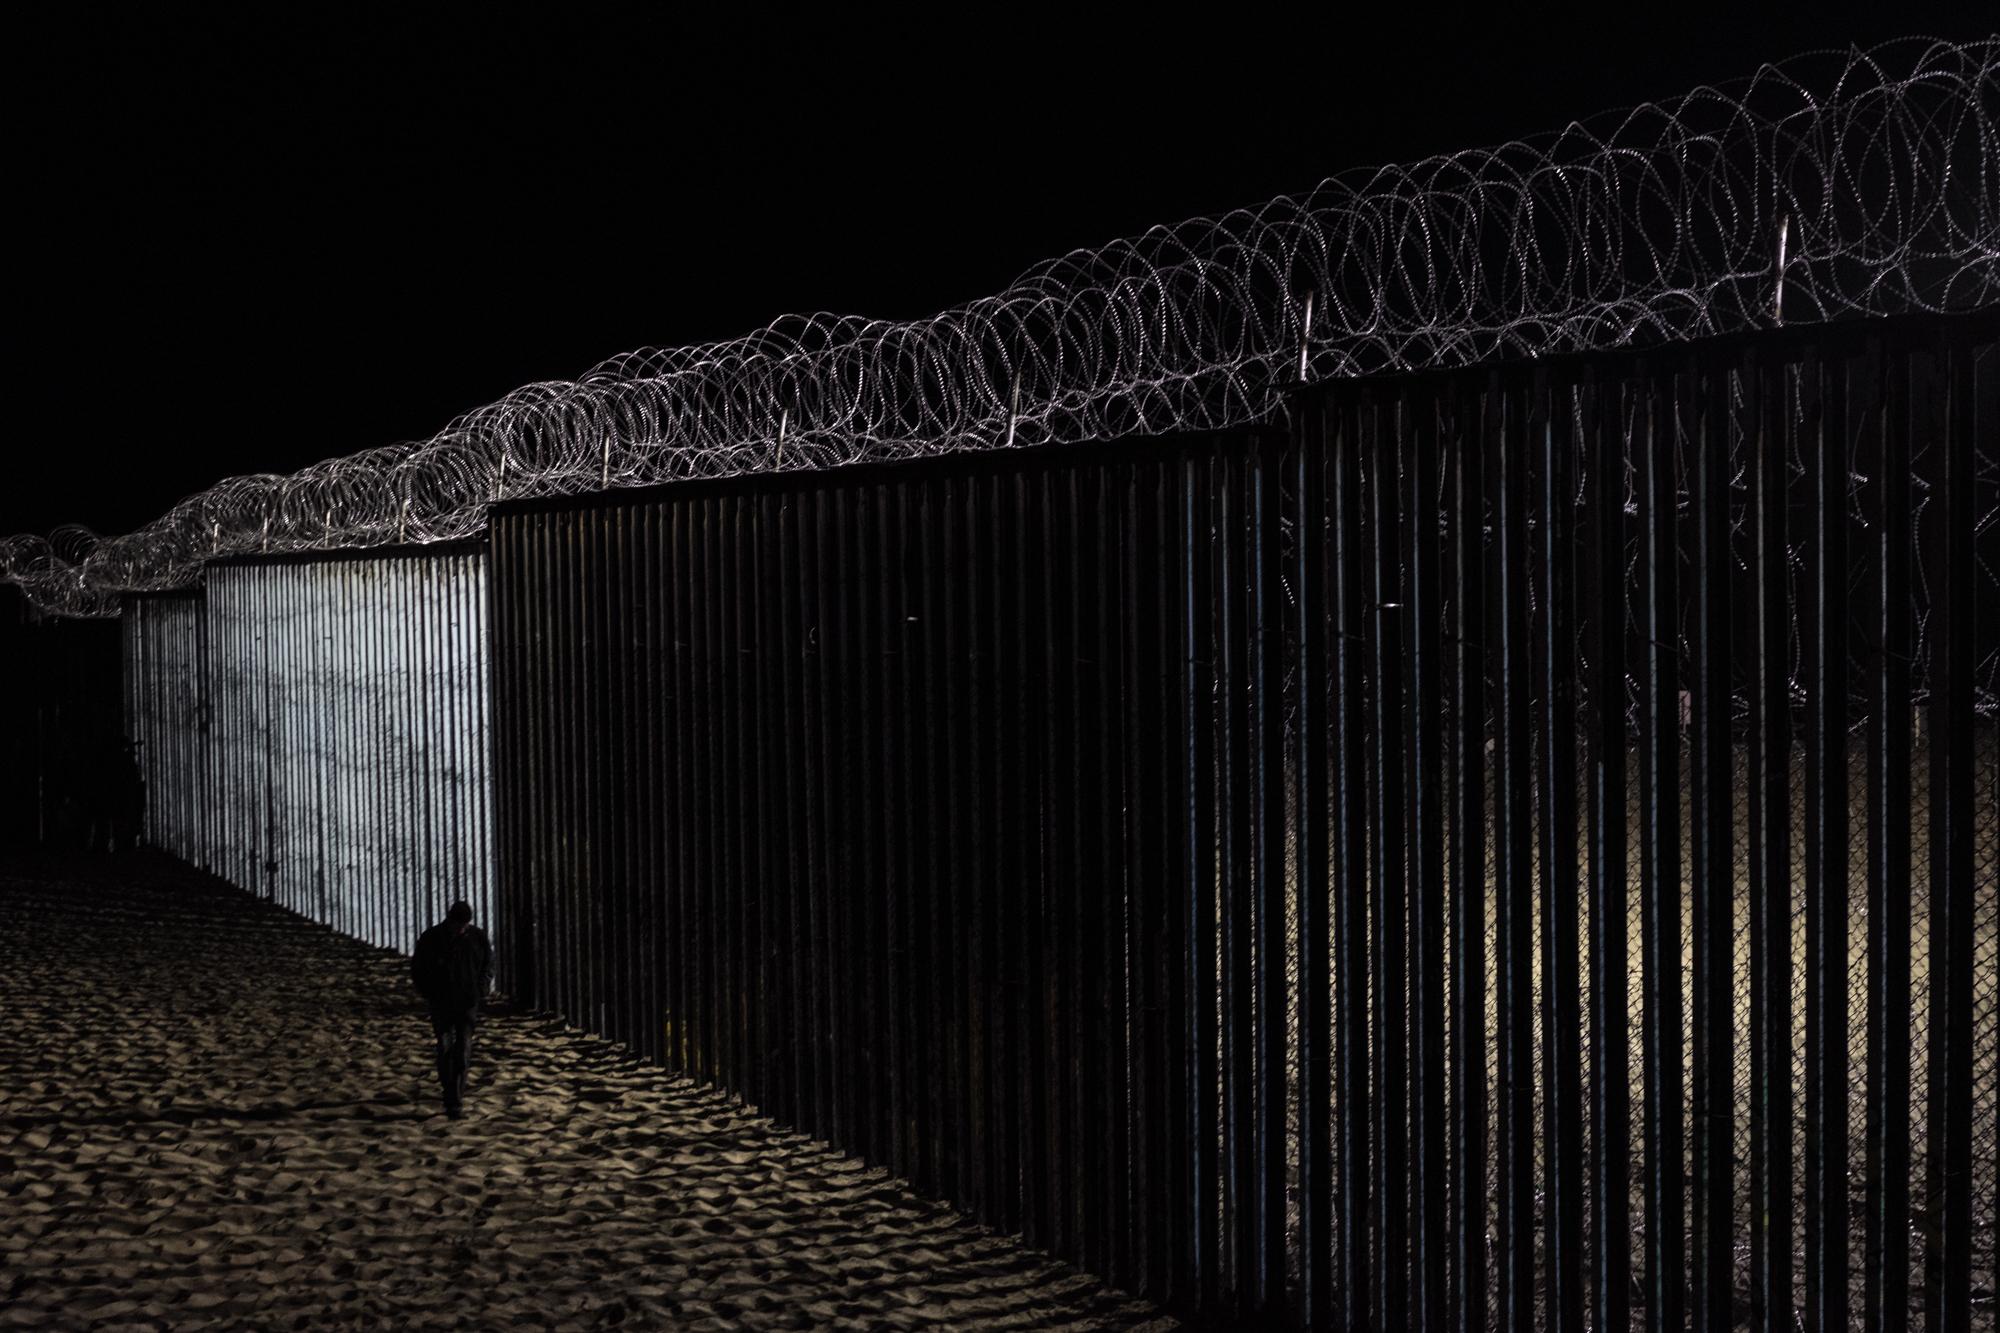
(1836, 185)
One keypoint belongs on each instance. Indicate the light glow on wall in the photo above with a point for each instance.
(316, 732)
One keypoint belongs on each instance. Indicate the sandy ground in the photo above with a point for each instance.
(216, 1114)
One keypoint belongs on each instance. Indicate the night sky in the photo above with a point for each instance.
(243, 249)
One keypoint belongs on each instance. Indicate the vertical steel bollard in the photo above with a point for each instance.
(1713, 871)
(1660, 869)
(1430, 1225)
(1552, 453)
(1350, 880)
(1198, 692)
(1949, 564)
(1381, 458)
(1473, 412)
(1770, 864)
(1510, 670)
(1826, 852)
(1311, 799)
(1610, 1043)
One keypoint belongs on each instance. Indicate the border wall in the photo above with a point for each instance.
(1517, 846)
(315, 730)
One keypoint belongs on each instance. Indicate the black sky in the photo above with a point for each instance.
(244, 249)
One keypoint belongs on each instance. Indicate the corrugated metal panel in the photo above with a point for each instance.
(316, 731)
(166, 715)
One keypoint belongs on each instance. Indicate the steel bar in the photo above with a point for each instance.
(1472, 412)
(1198, 692)
(872, 664)
(1388, 798)
(1311, 800)
(1059, 936)
(1712, 871)
(793, 648)
(1770, 863)
(1171, 1087)
(1509, 670)
(1144, 1203)
(1016, 794)
(1949, 567)
(1660, 869)
(962, 618)
(1825, 616)
(1234, 853)
(1610, 1279)
(1553, 447)
(933, 995)
(1269, 863)
(1429, 827)
(1350, 884)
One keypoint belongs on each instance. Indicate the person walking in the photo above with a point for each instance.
(453, 967)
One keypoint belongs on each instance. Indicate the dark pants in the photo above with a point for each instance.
(454, 1053)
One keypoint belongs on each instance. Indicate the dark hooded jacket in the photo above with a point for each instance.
(452, 969)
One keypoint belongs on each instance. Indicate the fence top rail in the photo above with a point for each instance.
(1848, 338)
(162, 596)
(408, 551)
(894, 471)
(413, 551)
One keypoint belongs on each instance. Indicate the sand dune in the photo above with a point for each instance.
(215, 1115)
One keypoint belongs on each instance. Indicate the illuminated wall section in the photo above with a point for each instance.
(316, 731)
